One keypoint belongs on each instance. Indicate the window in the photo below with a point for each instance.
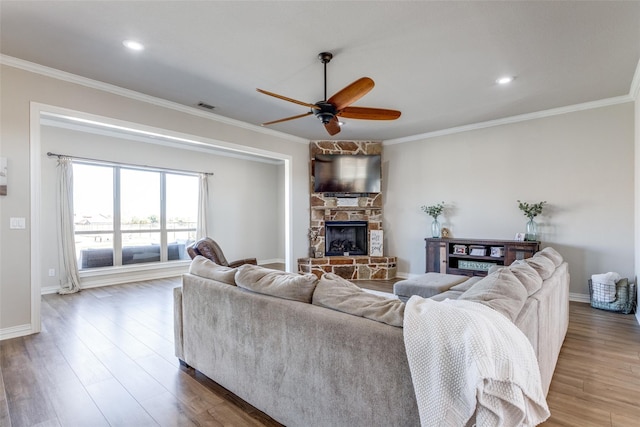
(129, 216)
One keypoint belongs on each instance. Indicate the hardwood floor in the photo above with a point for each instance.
(597, 378)
(105, 357)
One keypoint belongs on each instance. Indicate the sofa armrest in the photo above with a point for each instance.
(178, 323)
(240, 262)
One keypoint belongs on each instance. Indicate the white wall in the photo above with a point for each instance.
(20, 88)
(581, 163)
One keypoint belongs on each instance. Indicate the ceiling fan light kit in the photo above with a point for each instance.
(339, 105)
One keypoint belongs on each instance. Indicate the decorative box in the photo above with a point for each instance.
(477, 250)
(460, 249)
(497, 251)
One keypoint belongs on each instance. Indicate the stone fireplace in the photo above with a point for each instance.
(330, 217)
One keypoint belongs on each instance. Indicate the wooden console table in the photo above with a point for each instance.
(474, 257)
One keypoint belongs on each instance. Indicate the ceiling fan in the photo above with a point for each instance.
(339, 105)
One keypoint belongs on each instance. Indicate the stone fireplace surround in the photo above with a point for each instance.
(327, 207)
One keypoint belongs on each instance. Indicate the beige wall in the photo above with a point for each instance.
(581, 163)
(19, 88)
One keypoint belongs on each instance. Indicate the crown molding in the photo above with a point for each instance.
(514, 119)
(634, 92)
(131, 94)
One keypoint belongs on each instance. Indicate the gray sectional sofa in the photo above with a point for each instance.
(322, 352)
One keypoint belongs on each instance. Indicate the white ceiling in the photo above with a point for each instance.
(436, 61)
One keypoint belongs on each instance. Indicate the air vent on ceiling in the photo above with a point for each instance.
(205, 106)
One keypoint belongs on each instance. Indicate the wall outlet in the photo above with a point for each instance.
(52, 272)
(17, 223)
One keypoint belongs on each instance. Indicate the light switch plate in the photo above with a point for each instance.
(17, 223)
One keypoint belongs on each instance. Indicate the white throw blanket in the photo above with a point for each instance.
(470, 364)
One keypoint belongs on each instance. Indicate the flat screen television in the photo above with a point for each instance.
(347, 173)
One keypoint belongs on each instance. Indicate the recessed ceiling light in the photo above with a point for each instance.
(505, 80)
(341, 123)
(133, 45)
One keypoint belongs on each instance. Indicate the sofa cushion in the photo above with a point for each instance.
(501, 291)
(552, 254)
(494, 268)
(203, 267)
(466, 285)
(543, 265)
(527, 275)
(427, 285)
(292, 286)
(339, 294)
(450, 294)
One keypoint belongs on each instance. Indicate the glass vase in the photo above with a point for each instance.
(435, 228)
(532, 230)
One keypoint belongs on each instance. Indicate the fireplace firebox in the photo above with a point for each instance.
(346, 238)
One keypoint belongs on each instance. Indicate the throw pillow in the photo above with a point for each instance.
(292, 286)
(501, 291)
(339, 294)
(552, 254)
(528, 276)
(203, 267)
(543, 265)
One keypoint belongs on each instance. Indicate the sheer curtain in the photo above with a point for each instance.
(203, 206)
(70, 279)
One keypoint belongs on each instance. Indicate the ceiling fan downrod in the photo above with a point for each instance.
(325, 57)
(326, 111)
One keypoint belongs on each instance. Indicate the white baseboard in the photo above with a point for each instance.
(15, 332)
(271, 261)
(120, 275)
(579, 297)
(49, 290)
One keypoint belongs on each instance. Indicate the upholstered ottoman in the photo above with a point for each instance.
(426, 285)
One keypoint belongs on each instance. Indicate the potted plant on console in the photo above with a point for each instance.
(531, 211)
(434, 211)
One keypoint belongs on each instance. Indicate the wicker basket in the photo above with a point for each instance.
(625, 296)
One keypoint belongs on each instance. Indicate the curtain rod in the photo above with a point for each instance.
(106, 162)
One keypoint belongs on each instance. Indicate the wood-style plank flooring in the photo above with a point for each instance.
(105, 357)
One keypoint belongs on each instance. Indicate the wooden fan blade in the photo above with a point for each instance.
(351, 93)
(366, 113)
(332, 127)
(287, 119)
(295, 101)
